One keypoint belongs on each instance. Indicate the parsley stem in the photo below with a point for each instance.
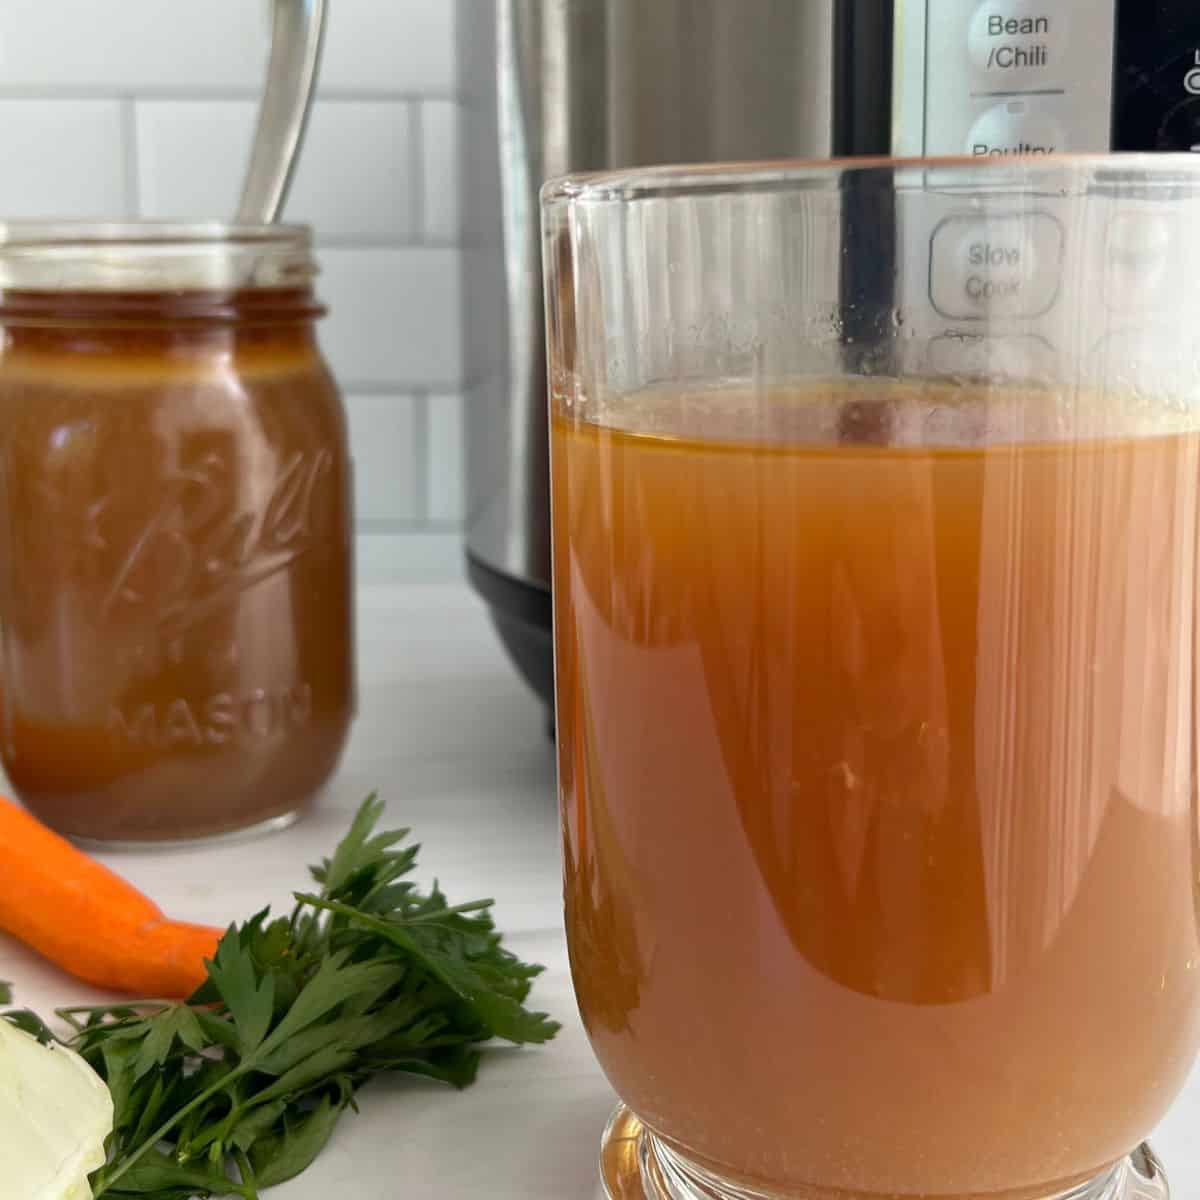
(161, 1132)
(440, 914)
(395, 919)
(246, 1171)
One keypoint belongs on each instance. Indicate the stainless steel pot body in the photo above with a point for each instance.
(553, 86)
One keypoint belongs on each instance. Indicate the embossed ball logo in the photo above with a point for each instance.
(199, 547)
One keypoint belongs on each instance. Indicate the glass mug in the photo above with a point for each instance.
(875, 522)
(176, 650)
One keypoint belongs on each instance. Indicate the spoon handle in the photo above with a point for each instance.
(298, 28)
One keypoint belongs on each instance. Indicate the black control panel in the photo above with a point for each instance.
(1156, 103)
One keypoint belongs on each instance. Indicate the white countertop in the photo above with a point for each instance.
(458, 748)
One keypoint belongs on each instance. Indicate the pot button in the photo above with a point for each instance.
(1023, 357)
(1017, 43)
(1142, 248)
(1015, 128)
(997, 266)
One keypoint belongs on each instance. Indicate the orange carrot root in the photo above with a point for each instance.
(90, 921)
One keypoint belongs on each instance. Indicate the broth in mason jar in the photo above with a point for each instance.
(175, 561)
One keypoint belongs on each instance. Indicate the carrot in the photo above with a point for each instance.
(89, 921)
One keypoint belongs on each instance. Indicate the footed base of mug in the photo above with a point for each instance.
(636, 1165)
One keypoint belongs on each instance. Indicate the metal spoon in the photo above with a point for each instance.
(298, 28)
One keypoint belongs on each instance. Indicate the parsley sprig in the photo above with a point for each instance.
(241, 1087)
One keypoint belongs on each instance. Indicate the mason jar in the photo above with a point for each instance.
(176, 591)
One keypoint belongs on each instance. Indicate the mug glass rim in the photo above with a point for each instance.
(1024, 173)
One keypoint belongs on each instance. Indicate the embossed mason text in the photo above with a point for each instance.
(216, 720)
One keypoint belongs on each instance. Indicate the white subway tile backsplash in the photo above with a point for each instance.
(62, 158)
(383, 441)
(352, 178)
(191, 155)
(446, 481)
(166, 45)
(393, 316)
(439, 168)
(133, 45)
(390, 45)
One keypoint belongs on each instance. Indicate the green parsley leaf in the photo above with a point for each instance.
(30, 1023)
(161, 1032)
(158, 1177)
(283, 1156)
(249, 998)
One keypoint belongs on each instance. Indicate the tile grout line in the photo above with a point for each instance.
(393, 387)
(199, 92)
(130, 156)
(416, 168)
(421, 452)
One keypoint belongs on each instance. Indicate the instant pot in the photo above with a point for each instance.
(552, 86)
